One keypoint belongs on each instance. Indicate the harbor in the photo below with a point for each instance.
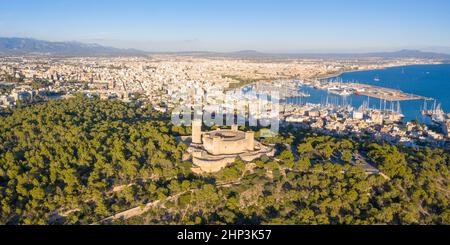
(378, 92)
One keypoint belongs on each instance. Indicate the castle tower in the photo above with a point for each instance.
(197, 132)
(250, 138)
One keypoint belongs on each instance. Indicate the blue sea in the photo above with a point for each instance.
(432, 81)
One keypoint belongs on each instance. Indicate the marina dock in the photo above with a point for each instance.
(383, 93)
(372, 91)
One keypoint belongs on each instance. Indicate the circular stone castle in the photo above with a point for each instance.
(214, 150)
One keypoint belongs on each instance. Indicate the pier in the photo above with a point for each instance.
(372, 91)
(384, 93)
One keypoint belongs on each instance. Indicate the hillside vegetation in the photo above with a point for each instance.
(79, 161)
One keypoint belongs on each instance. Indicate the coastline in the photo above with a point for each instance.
(417, 81)
(375, 69)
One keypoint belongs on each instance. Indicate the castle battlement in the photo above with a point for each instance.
(214, 150)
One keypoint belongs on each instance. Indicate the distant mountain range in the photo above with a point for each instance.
(33, 46)
(21, 46)
(252, 54)
(407, 53)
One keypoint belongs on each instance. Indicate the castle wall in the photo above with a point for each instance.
(209, 167)
(219, 147)
(212, 152)
(213, 164)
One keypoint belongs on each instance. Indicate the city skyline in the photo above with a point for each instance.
(266, 26)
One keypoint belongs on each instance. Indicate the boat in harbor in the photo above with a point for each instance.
(344, 93)
(436, 113)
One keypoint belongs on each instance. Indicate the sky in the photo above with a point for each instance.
(232, 25)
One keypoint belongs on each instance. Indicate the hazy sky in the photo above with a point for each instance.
(229, 25)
